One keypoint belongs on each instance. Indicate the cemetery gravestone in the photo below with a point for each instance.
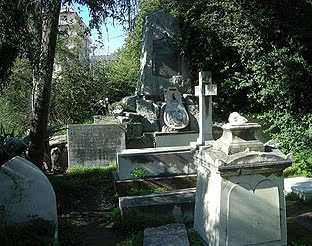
(94, 145)
(161, 60)
(26, 193)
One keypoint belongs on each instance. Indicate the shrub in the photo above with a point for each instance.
(302, 164)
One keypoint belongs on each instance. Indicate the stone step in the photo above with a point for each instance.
(299, 185)
(179, 204)
(169, 183)
(166, 235)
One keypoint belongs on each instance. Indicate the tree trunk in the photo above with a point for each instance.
(42, 80)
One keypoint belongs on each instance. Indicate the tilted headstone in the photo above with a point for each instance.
(161, 59)
(239, 192)
(94, 145)
(25, 193)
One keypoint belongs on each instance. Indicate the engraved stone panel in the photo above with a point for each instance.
(94, 145)
(253, 214)
(165, 58)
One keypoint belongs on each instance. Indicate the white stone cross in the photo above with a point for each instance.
(205, 90)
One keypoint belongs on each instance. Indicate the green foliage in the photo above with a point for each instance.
(13, 33)
(260, 59)
(138, 173)
(15, 101)
(115, 79)
(256, 62)
(73, 90)
(37, 232)
(292, 131)
(123, 72)
(302, 164)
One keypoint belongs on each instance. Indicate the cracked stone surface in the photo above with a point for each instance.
(167, 235)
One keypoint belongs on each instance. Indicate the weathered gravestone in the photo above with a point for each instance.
(239, 192)
(94, 145)
(161, 63)
(25, 194)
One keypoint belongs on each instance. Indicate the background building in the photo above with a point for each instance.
(75, 35)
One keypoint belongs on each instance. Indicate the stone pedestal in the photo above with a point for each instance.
(239, 193)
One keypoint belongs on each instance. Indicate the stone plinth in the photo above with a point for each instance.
(239, 193)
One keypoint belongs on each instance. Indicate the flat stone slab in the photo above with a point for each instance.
(299, 185)
(167, 235)
(178, 204)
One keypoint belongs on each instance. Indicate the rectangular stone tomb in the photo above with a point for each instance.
(94, 145)
(153, 162)
(168, 139)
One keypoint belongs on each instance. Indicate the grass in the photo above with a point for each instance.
(77, 179)
(78, 183)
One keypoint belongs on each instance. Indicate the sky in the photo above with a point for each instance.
(113, 36)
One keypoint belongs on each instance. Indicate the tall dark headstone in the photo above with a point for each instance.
(161, 61)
